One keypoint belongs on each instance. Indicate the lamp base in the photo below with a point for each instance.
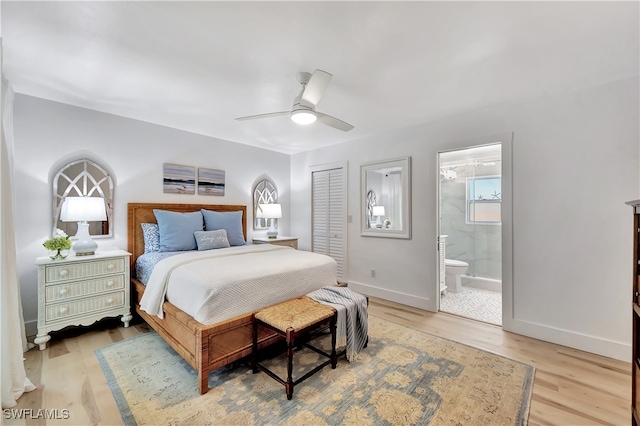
(272, 232)
(84, 245)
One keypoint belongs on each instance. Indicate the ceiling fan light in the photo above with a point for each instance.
(303, 117)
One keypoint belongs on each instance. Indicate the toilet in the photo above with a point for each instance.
(453, 269)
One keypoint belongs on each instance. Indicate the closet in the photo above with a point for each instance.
(328, 217)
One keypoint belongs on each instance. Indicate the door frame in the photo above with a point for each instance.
(506, 141)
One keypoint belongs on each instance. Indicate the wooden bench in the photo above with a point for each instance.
(298, 321)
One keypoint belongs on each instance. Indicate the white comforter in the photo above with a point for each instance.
(217, 285)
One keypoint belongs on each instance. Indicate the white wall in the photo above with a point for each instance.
(48, 134)
(575, 163)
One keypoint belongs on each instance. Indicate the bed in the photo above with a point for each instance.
(204, 347)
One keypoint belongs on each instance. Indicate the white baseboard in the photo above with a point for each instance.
(571, 339)
(482, 283)
(393, 296)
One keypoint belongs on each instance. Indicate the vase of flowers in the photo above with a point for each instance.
(58, 245)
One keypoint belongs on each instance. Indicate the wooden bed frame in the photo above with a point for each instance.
(204, 347)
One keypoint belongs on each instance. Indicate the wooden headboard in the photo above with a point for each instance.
(143, 213)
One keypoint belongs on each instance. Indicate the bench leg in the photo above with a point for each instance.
(289, 384)
(334, 356)
(254, 352)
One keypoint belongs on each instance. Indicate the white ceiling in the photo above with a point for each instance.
(197, 65)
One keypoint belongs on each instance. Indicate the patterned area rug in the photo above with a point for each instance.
(403, 377)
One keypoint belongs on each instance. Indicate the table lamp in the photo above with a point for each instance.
(83, 210)
(378, 211)
(273, 212)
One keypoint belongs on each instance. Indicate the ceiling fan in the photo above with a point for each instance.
(304, 105)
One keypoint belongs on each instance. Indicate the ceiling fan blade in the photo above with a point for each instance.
(333, 122)
(270, 114)
(315, 87)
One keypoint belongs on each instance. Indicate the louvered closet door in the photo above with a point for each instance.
(328, 215)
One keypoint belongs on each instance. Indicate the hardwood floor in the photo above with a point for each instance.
(571, 387)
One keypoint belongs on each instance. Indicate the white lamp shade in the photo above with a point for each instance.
(377, 211)
(78, 209)
(270, 211)
(303, 117)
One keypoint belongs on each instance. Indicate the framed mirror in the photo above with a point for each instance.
(385, 191)
(264, 193)
(83, 178)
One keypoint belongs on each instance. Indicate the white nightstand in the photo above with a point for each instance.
(81, 290)
(279, 241)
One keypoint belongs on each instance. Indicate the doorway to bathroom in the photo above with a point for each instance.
(470, 232)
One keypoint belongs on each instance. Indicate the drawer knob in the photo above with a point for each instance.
(64, 310)
(63, 291)
(109, 301)
(110, 283)
(64, 272)
(111, 266)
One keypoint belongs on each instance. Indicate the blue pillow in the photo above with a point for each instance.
(207, 240)
(230, 221)
(176, 229)
(151, 237)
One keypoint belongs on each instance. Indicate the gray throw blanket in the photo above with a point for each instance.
(352, 326)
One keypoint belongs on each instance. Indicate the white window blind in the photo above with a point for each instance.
(328, 215)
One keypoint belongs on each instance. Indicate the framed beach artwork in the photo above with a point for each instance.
(178, 179)
(210, 182)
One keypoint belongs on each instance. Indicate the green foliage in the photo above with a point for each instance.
(60, 241)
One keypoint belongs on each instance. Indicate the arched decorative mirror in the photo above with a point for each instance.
(264, 193)
(83, 178)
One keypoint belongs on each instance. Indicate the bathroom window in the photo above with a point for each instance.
(484, 200)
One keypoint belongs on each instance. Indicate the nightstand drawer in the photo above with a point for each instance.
(287, 243)
(83, 288)
(279, 241)
(80, 306)
(70, 271)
